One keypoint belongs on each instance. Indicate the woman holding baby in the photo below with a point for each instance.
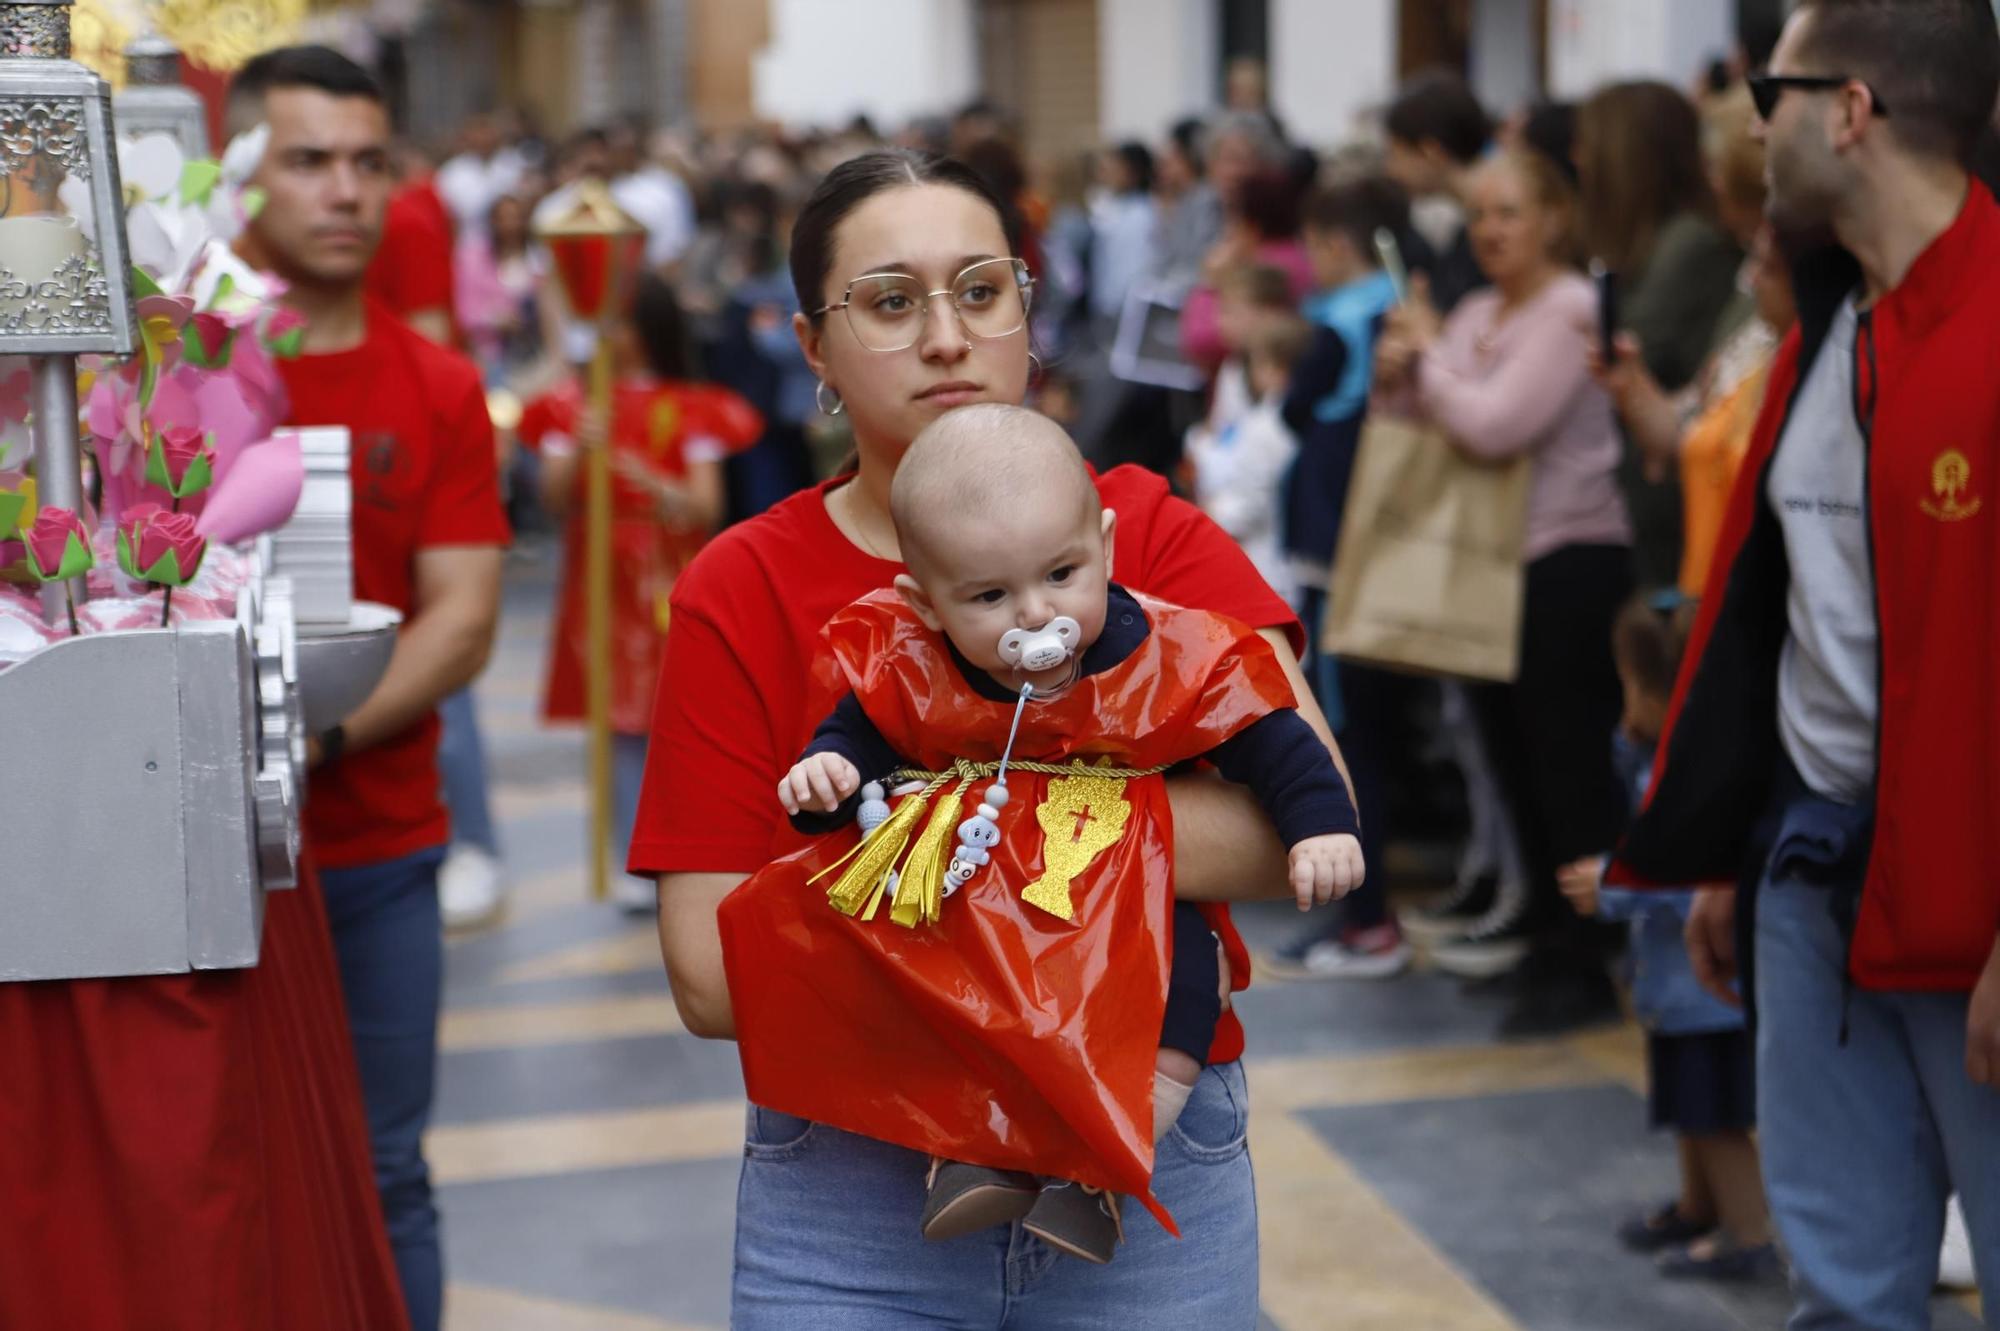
(827, 1227)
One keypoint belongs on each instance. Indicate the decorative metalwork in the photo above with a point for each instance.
(35, 30)
(75, 299)
(47, 137)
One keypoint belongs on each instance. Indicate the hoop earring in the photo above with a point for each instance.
(819, 399)
(1038, 370)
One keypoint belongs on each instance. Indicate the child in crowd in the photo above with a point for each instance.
(1324, 405)
(1248, 296)
(1329, 390)
(668, 436)
(1046, 976)
(1701, 1082)
(1239, 474)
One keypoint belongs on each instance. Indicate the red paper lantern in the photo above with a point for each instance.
(597, 250)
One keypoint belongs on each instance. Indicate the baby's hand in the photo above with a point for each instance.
(1325, 868)
(818, 784)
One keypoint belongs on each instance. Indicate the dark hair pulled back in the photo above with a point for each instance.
(859, 179)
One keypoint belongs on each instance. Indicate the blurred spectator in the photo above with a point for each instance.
(650, 194)
(1325, 404)
(750, 347)
(1122, 221)
(1437, 133)
(1262, 226)
(1507, 376)
(1248, 298)
(497, 278)
(485, 168)
(411, 270)
(1187, 209)
(1239, 470)
(1650, 218)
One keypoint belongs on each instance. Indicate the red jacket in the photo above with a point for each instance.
(1927, 387)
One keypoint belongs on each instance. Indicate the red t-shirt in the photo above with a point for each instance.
(732, 714)
(411, 270)
(424, 475)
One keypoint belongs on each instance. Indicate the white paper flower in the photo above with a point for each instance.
(244, 154)
(150, 166)
(149, 169)
(166, 239)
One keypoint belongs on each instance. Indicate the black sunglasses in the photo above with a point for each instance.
(1766, 89)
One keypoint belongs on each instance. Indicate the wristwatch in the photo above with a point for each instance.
(332, 743)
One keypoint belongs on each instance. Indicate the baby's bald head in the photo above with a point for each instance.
(977, 465)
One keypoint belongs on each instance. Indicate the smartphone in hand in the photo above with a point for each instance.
(1607, 310)
(1391, 255)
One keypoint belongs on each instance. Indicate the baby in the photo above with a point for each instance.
(1009, 556)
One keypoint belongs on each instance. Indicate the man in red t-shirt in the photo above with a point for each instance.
(428, 529)
(412, 269)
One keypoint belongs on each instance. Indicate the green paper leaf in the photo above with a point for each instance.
(290, 344)
(12, 505)
(198, 180)
(253, 202)
(143, 284)
(225, 287)
(197, 355)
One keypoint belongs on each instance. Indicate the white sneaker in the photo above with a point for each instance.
(1380, 953)
(471, 889)
(1955, 1262)
(1495, 943)
(633, 895)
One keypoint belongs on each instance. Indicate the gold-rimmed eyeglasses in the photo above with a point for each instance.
(886, 311)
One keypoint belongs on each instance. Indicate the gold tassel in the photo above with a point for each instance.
(921, 887)
(865, 878)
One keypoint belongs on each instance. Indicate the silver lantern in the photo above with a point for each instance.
(154, 101)
(65, 286)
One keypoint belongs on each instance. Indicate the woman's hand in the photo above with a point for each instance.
(1415, 319)
(1649, 414)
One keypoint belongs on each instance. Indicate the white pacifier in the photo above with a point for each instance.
(1045, 648)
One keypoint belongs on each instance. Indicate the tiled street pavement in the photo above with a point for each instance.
(1412, 1175)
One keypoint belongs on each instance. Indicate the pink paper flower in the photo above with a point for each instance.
(58, 545)
(159, 547)
(180, 462)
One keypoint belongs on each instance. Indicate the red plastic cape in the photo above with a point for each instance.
(1002, 1035)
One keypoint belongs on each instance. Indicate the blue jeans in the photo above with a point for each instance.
(461, 763)
(828, 1238)
(390, 945)
(1863, 1143)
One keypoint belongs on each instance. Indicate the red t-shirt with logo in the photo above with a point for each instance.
(424, 475)
(732, 713)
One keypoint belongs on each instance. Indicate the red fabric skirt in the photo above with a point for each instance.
(189, 1152)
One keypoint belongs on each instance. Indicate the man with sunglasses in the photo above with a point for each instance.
(1835, 748)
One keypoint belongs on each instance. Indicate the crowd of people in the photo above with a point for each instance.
(1231, 314)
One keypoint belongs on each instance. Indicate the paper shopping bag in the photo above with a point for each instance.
(1427, 575)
